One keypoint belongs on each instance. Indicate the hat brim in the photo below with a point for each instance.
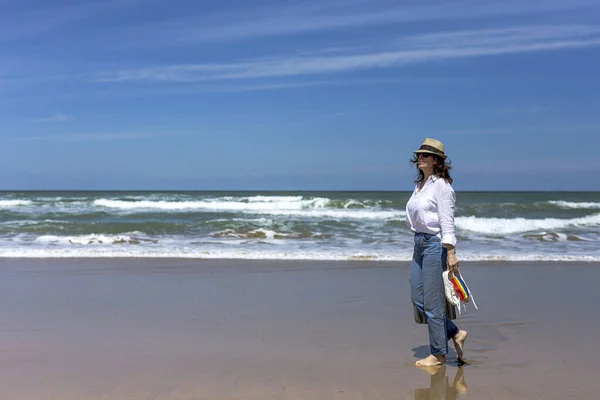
(431, 152)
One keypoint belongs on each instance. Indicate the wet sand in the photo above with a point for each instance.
(220, 329)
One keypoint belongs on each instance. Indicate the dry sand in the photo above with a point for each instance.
(183, 330)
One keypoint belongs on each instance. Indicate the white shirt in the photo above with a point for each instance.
(431, 210)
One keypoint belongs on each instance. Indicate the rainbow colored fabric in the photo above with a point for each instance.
(460, 287)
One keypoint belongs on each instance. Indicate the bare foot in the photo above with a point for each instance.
(431, 360)
(459, 343)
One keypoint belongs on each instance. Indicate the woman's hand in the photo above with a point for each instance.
(452, 261)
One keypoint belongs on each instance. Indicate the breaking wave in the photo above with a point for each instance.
(503, 226)
(575, 205)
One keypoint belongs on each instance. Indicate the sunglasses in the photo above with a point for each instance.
(424, 155)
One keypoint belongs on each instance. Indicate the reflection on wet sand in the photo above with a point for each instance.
(439, 385)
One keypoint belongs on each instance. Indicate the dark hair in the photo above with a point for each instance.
(441, 170)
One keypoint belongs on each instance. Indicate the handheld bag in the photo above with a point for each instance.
(457, 291)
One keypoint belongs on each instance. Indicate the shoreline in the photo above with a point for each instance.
(280, 260)
(180, 329)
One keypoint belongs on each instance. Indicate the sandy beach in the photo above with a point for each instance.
(220, 329)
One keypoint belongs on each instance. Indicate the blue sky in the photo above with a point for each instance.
(324, 95)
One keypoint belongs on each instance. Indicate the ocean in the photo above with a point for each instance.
(507, 226)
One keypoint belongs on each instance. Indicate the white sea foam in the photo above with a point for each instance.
(270, 199)
(256, 203)
(555, 237)
(575, 205)
(27, 222)
(258, 221)
(266, 244)
(14, 203)
(338, 213)
(183, 252)
(502, 226)
(265, 234)
(351, 203)
(253, 234)
(41, 207)
(91, 239)
(276, 205)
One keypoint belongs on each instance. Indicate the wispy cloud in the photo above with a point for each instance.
(26, 21)
(524, 110)
(104, 137)
(521, 164)
(312, 17)
(268, 86)
(409, 50)
(59, 117)
(260, 87)
(586, 128)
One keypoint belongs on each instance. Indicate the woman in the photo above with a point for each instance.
(430, 214)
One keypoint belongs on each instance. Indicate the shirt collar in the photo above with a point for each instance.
(432, 178)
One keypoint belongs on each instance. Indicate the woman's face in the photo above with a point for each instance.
(426, 162)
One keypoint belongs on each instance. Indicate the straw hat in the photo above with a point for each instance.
(432, 146)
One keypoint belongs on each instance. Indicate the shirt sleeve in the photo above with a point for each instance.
(407, 219)
(446, 201)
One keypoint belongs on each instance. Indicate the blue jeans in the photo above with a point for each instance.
(427, 290)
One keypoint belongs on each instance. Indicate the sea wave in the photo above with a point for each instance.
(28, 222)
(14, 203)
(277, 205)
(503, 226)
(256, 203)
(556, 237)
(93, 239)
(575, 205)
(269, 234)
(342, 214)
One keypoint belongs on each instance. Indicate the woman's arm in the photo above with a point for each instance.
(446, 204)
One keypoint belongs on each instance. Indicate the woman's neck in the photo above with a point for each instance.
(426, 175)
